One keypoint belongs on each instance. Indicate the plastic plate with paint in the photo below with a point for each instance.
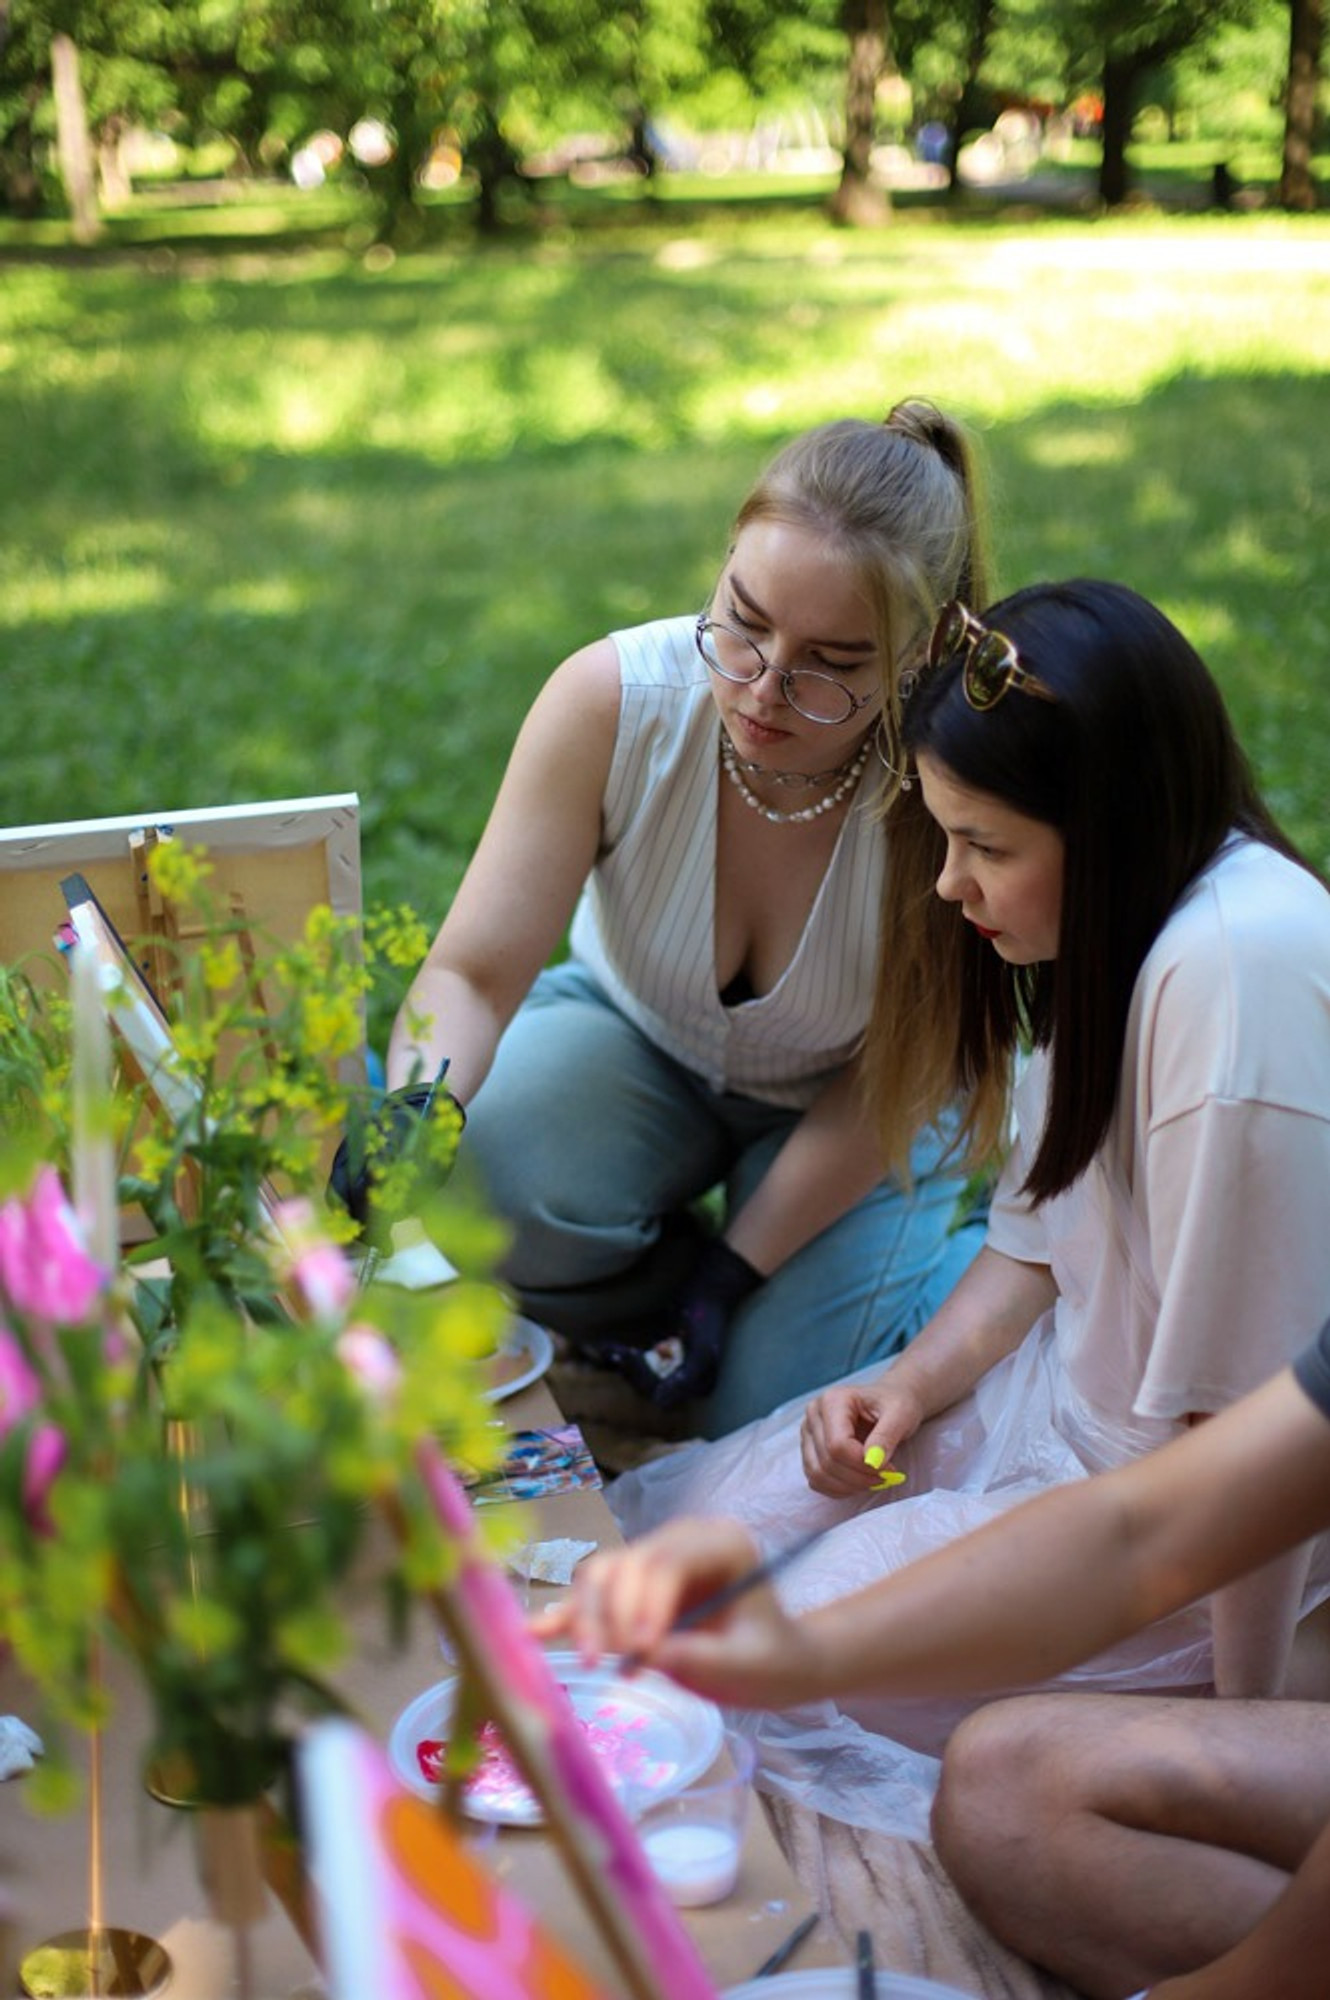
(525, 1352)
(841, 1982)
(650, 1738)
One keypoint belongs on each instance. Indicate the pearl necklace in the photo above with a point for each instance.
(849, 779)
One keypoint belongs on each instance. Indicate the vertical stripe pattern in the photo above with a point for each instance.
(645, 926)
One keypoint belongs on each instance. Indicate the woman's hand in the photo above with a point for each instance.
(845, 1422)
(987, 1315)
(626, 1602)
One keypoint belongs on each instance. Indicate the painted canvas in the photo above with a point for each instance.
(403, 1910)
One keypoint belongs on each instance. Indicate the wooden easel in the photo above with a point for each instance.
(162, 933)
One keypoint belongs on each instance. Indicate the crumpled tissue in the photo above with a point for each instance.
(20, 1747)
(550, 1562)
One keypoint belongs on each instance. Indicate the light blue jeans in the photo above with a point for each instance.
(595, 1146)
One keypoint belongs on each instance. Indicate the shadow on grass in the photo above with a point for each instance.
(380, 622)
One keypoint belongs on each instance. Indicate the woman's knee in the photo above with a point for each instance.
(1002, 1791)
(985, 1760)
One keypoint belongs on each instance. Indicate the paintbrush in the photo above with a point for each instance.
(720, 1600)
(865, 1975)
(783, 1953)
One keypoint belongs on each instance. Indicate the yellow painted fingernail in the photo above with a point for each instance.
(875, 1456)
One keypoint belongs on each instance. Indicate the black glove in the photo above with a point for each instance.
(686, 1362)
(373, 1143)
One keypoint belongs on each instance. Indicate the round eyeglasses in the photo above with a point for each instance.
(991, 663)
(817, 697)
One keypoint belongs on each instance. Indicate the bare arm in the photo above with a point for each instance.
(1047, 1585)
(1253, 1622)
(830, 1161)
(519, 891)
(986, 1316)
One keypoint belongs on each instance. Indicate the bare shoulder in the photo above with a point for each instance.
(588, 680)
(573, 722)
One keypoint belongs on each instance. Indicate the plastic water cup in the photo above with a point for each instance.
(694, 1839)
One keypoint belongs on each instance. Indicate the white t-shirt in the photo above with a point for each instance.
(1193, 1261)
(1193, 1258)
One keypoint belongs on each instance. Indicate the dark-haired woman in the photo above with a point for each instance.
(1124, 943)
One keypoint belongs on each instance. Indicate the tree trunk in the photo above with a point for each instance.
(496, 164)
(857, 201)
(113, 182)
(640, 149)
(72, 144)
(958, 123)
(1119, 88)
(20, 182)
(1297, 188)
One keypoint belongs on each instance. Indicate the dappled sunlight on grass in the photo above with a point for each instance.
(53, 596)
(282, 524)
(1072, 445)
(269, 597)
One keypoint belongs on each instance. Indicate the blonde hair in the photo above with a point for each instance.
(899, 500)
(919, 1061)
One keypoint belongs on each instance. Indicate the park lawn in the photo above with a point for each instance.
(285, 514)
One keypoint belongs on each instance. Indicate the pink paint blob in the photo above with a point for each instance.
(613, 1734)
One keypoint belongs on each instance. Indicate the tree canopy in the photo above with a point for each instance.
(495, 80)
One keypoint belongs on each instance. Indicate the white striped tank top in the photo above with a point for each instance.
(645, 924)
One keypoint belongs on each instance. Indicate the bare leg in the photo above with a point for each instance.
(1286, 1954)
(1117, 1839)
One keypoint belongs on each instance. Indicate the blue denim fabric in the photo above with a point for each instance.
(596, 1147)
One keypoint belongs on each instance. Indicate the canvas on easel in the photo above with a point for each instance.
(271, 863)
(402, 1909)
(505, 1677)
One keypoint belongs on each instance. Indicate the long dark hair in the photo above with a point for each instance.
(1136, 764)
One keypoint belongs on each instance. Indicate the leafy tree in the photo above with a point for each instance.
(197, 65)
(851, 39)
(1117, 44)
(22, 98)
(650, 51)
(481, 73)
(944, 54)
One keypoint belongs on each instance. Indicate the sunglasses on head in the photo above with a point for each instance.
(991, 663)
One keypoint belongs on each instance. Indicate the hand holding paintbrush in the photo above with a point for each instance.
(695, 1600)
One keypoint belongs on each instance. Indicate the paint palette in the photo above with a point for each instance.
(525, 1353)
(649, 1737)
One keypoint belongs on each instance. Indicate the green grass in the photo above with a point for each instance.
(280, 518)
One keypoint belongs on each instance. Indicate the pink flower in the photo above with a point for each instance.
(20, 1386)
(47, 1452)
(45, 1270)
(372, 1361)
(316, 1267)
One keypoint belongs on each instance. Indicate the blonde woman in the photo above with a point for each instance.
(702, 797)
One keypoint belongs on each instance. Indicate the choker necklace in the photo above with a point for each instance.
(790, 780)
(850, 776)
